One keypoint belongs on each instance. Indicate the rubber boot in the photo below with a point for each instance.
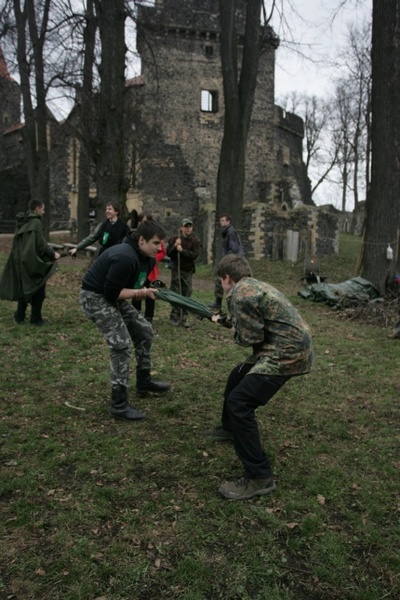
(36, 304)
(120, 407)
(145, 384)
(20, 313)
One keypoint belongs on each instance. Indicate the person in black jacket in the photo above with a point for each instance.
(110, 232)
(118, 275)
(231, 244)
(183, 251)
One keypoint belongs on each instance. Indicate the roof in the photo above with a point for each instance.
(3, 67)
(138, 80)
(13, 128)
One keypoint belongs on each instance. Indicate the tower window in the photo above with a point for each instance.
(209, 51)
(209, 101)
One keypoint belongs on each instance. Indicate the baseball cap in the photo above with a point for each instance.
(188, 221)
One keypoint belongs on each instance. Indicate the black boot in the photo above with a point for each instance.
(36, 304)
(20, 313)
(145, 384)
(120, 407)
(217, 305)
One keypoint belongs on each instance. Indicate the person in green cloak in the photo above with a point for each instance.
(30, 264)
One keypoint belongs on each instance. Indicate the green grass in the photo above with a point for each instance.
(94, 508)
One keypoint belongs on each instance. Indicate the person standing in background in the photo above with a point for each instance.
(183, 250)
(231, 244)
(30, 264)
(108, 233)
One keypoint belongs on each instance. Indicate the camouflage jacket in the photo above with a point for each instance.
(264, 319)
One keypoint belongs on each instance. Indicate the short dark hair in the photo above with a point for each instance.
(144, 215)
(235, 266)
(115, 206)
(34, 204)
(148, 229)
(227, 217)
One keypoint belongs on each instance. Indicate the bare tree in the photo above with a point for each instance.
(86, 112)
(353, 103)
(31, 26)
(321, 149)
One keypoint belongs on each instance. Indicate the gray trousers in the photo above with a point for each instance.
(121, 326)
(184, 287)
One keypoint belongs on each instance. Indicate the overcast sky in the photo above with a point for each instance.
(319, 35)
(320, 32)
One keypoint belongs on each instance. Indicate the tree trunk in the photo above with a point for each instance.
(383, 206)
(42, 175)
(36, 121)
(239, 99)
(86, 110)
(109, 152)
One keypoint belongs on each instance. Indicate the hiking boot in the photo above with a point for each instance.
(145, 384)
(120, 407)
(217, 305)
(186, 324)
(219, 434)
(38, 323)
(244, 488)
(394, 336)
(175, 322)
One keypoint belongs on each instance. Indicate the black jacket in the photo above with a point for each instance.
(121, 266)
(189, 254)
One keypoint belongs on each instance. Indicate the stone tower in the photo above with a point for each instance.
(178, 112)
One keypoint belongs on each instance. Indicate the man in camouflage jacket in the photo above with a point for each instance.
(265, 320)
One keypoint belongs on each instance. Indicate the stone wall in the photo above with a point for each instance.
(172, 141)
(178, 142)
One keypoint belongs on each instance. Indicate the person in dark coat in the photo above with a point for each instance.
(108, 233)
(183, 250)
(30, 264)
(231, 244)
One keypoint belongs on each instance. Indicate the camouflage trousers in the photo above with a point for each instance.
(121, 325)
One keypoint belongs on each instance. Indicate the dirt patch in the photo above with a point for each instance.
(6, 242)
(382, 313)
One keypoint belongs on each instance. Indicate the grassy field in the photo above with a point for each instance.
(98, 509)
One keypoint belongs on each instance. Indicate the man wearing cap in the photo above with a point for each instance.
(183, 251)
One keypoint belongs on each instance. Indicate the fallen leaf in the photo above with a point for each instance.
(321, 499)
(40, 572)
(292, 525)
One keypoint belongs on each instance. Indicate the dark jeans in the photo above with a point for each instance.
(243, 395)
(36, 303)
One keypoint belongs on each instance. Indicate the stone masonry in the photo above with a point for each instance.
(174, 126)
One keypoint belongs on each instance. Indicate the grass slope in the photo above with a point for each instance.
(93, 508)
